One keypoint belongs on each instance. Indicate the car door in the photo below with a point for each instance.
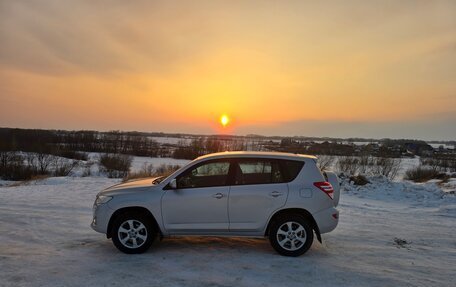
(199, 204)
(257, 191)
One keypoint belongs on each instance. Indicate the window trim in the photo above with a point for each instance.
(232, 172)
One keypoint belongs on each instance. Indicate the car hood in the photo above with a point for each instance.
(129, 186)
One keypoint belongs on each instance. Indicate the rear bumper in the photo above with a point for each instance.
(327, 219)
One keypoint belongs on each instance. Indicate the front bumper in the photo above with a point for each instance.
(101, 215)
(327, 219)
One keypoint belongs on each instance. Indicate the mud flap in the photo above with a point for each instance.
(317, 232)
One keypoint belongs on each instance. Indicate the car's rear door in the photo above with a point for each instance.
(257, 191)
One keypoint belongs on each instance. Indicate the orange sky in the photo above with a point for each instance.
(339, 68)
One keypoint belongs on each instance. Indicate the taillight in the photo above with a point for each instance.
(326, 187)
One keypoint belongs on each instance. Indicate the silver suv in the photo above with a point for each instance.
(256, 194)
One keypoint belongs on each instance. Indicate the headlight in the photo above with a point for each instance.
(102, 199)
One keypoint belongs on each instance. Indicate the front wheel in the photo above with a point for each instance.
(291, 235)
(133, 233)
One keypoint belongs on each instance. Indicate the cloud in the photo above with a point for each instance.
(155, 36)
(98, 37)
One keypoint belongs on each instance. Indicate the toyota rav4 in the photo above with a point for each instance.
(282, 196)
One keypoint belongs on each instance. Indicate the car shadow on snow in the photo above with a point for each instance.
(212, 243)
(192, 245)
(232, 245)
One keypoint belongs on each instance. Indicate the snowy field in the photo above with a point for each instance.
(390, 234)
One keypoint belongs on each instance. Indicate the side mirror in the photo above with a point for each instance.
(173, 184)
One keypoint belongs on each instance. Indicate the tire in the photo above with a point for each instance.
(133, 233)
(291, 235)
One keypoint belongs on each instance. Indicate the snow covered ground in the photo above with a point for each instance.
(438, 145)
(390, 234)
(171, 140)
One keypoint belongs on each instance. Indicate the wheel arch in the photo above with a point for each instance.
(132, 209)
(299, 211)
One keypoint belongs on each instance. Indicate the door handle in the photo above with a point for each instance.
(218, 195)
(276, 194)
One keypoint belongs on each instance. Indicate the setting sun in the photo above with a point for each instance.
(224, 120)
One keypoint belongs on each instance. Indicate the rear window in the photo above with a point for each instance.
(291, 169)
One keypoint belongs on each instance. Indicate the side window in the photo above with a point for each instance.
(205, 175)
(291, 169)
(257, 171)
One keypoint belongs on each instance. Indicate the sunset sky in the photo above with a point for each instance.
(331, 68)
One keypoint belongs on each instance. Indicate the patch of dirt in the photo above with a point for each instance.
(401, 243)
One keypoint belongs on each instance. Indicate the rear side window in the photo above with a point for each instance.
(257, 171)
(291, 169)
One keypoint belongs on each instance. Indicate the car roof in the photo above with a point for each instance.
(257, 154)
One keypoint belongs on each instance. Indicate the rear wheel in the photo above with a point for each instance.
(291, 235)
(133, 233)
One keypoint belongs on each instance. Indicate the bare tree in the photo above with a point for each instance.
(7, 158)
(115, 165)
(388, 167)
(63, 166)
(365, 163)
(44, 161)
(422, 174)
(348, 165)
(325, 161)
(31, 160)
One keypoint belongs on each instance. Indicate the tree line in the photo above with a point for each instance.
(65, 143)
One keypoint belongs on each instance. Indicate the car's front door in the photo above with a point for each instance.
(199, 204)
